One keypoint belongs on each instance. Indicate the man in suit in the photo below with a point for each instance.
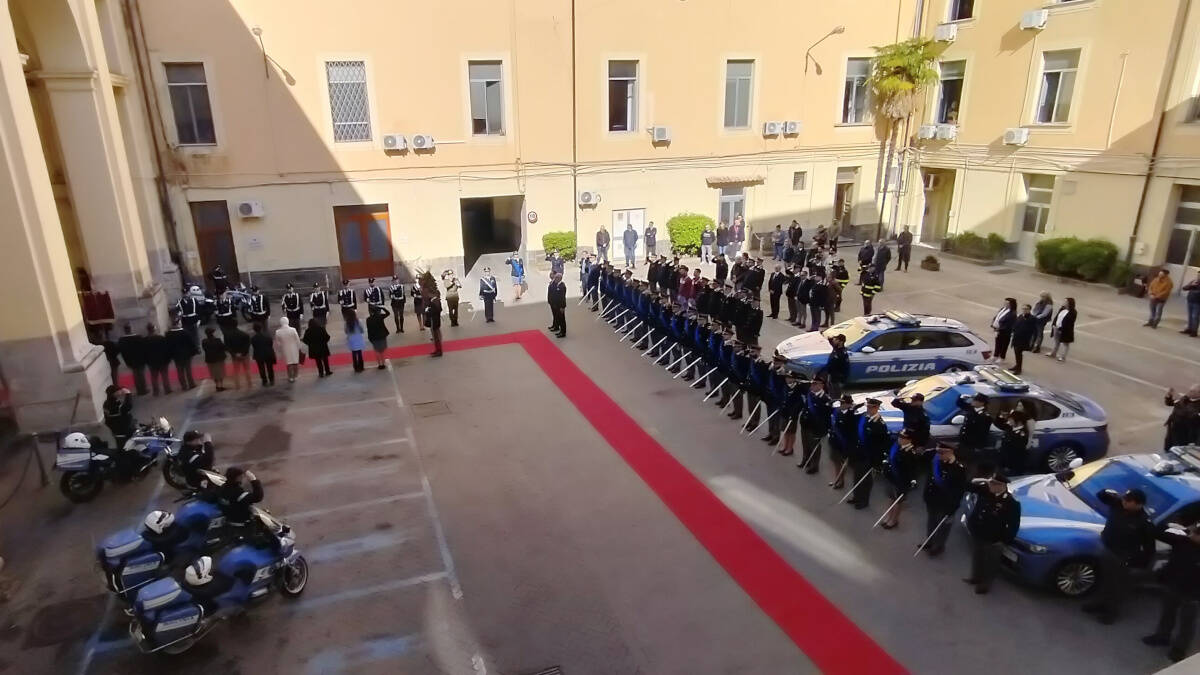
(556, 297)
(132, 348)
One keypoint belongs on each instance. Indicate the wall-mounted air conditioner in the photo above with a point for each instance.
(423, 142)
(947, 132)
(772, 128)
(946, 32)
(250, 209)
(589, 198)
(1016, 136)
(660, 134)
(927, 131)
(395, 142)
(1034, 19)
(791, 128)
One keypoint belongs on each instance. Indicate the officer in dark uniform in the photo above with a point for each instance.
(803, 292)
(347, 301)
(652, 269)
(944, 488)
(293, 307)
(753, 321)
(219, 280)
(873, 442)
(993, 522)
(974, 436)
(815, 418)
(188, 308)
(841, 276)
(843, 435)
(487, 292)
(396, 294)
(791, 284)
(319, 303)
(915, 418)
(721, 272)
(901, 467)
(818, 298)
(260, 309)
(838, 366)
(373, 296)
(870, 286)
(777, 394)
(225, 316)
(419, 307)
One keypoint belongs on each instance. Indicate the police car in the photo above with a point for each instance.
(1066, 427)
(890, 347)
(1058, 543)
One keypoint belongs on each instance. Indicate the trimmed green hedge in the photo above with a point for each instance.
(1091, 259)
(684, 230)
(564, 242)
(974, 246)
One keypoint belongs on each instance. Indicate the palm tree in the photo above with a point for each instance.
(899, 75)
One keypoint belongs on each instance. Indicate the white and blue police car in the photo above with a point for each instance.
(890, 347)
(1067, 426)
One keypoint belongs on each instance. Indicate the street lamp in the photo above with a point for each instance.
(837, 30)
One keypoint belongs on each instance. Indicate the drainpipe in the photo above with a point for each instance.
(574, 136)
(1164, 91)
(146, 88)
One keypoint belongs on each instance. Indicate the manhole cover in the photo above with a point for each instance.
(431, 409)
(62, 621)
(1003, 270)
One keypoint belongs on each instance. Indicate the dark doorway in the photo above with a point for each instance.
(364, 241)
(490, 225)
(214, 239)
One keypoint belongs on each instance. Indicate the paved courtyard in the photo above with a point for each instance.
(525, 503)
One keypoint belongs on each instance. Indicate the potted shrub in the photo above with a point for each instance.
(931, 263)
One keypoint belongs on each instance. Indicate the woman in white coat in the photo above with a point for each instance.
(287, 346)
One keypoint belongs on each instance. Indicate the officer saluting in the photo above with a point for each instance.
(347, 301)
(993, 522)
(225, 317)
(220, 281)
(319, 303)
(487, 293)
(293, 306)
(188, 309)
(373, 296)
(398, 298)
(944, 488)
(260, 309)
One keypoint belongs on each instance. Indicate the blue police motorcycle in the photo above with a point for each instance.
(170, 617)
(86, 467)
(132, 558)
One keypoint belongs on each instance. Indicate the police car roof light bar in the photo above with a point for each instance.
(1001, 378)
(1189, 454)
(903, 318)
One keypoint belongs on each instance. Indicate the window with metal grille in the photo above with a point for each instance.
(739, 77)
(622, 95)
(487, 97)
(1058, 84)
(799, 180)
(950, 91)
(1039, 190)
(854, 97)
(348, 100)
(190, 106)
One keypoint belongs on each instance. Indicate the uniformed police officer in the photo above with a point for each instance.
(837, 367)
(260, 309)
(814, 425)
(347, 301)
(993, 522)
(224, 312)
(944, 488)
(319, 303)
(188, 309)
(974, 436)
(843, 432)
(873, 442)
(870, 286)
(373, 296)
(220, 281)
(901, 467)
(293, 306)
(915, 418)
(396, 293)
(419, 306)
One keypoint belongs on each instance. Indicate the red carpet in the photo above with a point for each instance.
(833, 642)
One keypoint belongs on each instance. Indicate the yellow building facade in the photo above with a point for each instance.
(146, 142)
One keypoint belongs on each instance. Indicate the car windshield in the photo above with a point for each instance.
(1119, 477)
(854, 330)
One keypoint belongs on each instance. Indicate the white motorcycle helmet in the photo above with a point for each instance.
(159, 521)
(76, 441)
(199, 572)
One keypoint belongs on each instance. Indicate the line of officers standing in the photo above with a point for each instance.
(712, 342)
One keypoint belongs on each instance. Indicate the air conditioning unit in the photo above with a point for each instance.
(422, 142)
(589, 198)
(791, 128)
(927, 131)
(660, 134)
(394, 142)
(1034, 19)
(932, 181)
(946, 32)
(772, 128)
(1016, 136)
(250, 209)
(947, 132)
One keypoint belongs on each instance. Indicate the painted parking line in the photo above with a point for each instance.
(368, 543)
(320, 601)
(356, 474)
(284, 456)
(365, 504)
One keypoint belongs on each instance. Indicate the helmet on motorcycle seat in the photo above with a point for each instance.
(76, 441)
(193, 436)
(199, 572)
(159, 521)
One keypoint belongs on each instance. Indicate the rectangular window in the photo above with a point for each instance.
(189, 103)
(487, 98)
(348, 100)
(1058, 83)
(950, 91)
(854, 98)
(800, 180)
(1039, 189)
(622, 95)
(739, 76)
(961, 9)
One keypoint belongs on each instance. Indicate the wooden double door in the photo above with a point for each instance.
(364, 241)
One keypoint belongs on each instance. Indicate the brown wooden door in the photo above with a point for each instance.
(364, 241)
(214, 238)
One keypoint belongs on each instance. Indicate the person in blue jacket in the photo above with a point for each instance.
(518, 274)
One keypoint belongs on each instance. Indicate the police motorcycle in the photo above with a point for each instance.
(132, 558)
(170, 616)
(85, 468)
(239, 299)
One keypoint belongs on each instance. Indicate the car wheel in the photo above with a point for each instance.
(1076, 578)
(1059, 458)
